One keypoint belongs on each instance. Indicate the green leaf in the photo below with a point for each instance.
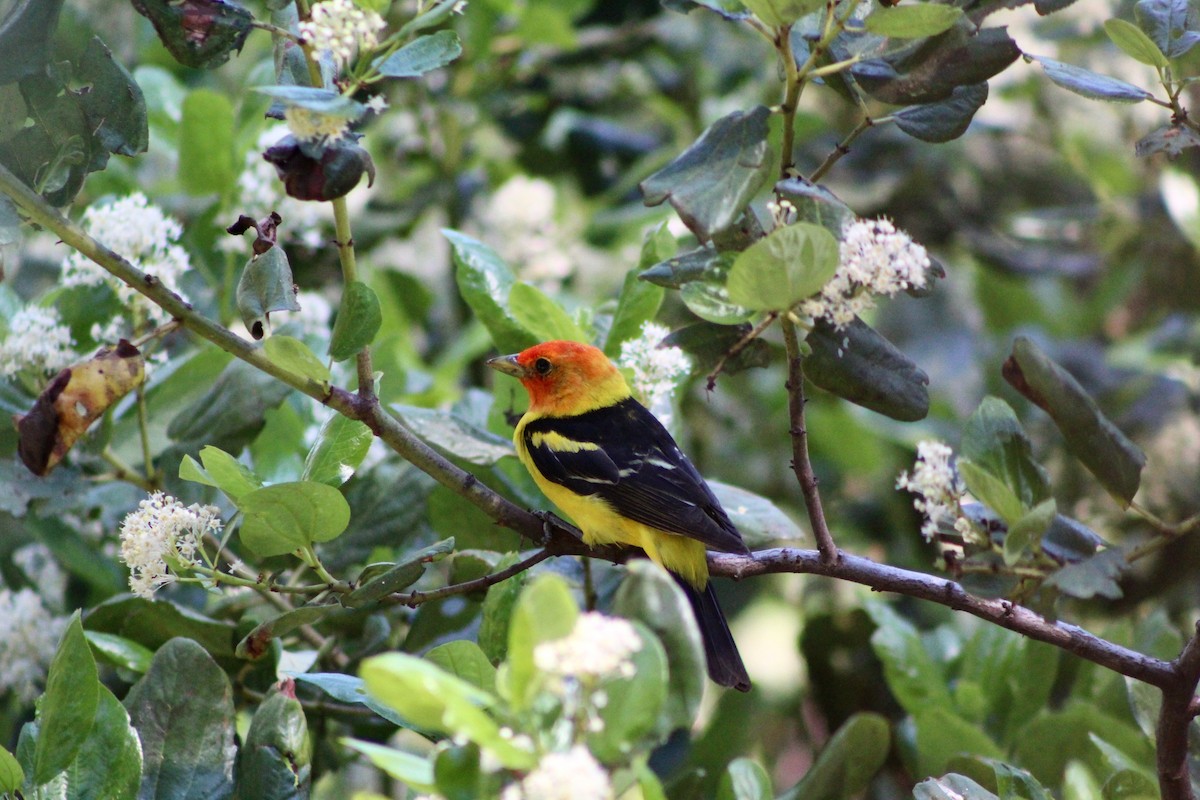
(391, 578)
(761, 522)
(912, 21)
(456, 770)
(711, 182)
(323, 101)
(1134, 43)
(858, 364)
(358, 320)
(454, 435)
(545, 611)
(119, 651)
(541, 316)
(711, 302)
(703, 263)
(791, 264)
(421, 55)
(744, 780)
(991, 490)
(228, 474)
(285, 517)
(414, 771)
(995, 443)
(707, 344)
(266, 285)
(913, 676)
(943, 735)
(1092, 577)
(485, 282)
(11, 774)
(182, 710)
(68, 708)
(946, 119)
(231, 412)
(1106, 452)
(1028, 531)
(951, 787)
(350, 689)
(152, 623)
(109, 764)
(848, 761)
(778, 13)
(1090, 84)
(25, 35)
(198, 40)
(340, 448)
(464, 659)
(639, 301)
(206, 164)
(295, 356)
(632, 711)
(274, 760)
(114, 105)
(497, 613)
(650, 595)
(929, 71)
(257, 643)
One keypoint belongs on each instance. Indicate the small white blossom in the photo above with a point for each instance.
(342, 29)
(656, 370)
(378, 103)
(874, 258)
(43, 571)
(162, 535)
(519, 220)
(459, 8)
(146, 237)
(573, 775)
(29, 635)
(937, 486)
(782, 213)
(37, 340)
(311, 126)
(597, 647)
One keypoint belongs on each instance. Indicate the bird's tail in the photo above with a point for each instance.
(725, 665)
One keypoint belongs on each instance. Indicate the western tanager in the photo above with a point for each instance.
(615, 471)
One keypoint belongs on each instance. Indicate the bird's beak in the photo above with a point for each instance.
(508, 365)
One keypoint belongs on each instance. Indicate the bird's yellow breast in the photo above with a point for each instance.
(601, 524)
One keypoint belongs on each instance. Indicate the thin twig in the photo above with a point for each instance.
(842, 149)
(801, 462)
(738, 347)
(413, 599)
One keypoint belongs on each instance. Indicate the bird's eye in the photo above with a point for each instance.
(541, 366)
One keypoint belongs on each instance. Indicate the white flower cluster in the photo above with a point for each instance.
(260, 192)
(29, 635)
(519, 220)
(782, 213)
(597, 647)
(656, 370)
(43, 571)
(874, 259)
(163, 535)
(37, 340)
(937, 486)
(342, 29)
(145, 236)
(571, 775)
(313, 126)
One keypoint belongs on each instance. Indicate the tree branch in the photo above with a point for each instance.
(1174, 722)
(413, 599)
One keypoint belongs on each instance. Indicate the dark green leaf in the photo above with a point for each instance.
(323, 101)
(266, 285)
(454, 435)
(632, 712)
(58, 150)
(25, 36)
(540, 315)
(1171, 24)
(912, 674)
(792, 263)
(257, 643)
(1134, 43)
(714, 180)
(456, 770)
(11, 774)
(113, 103)
(68, 709)
(340, 447)
(945, 120)
(119, 651)
(109, 764)
(285, 517)
(694, 265)
(995, 443)
(707, 343)
(153, 622)
(200, 33)
(421, 55)
(206, 164)
(911, 21)
(1107, 453)
(296, 357)
(273, 763)
(744, 779)
(1090, 84)
(1093, 577)
(848, 761)
(183, 712)
(358, 320)
(395, 578)
(464, 659)
(815, 203)
(761, 522)
(1171, 139)
(231, 413)
(860, 365)
(413, 770)
(485, 282)
(951, 787)
(649, 595)
(349, 689)
(930, 70)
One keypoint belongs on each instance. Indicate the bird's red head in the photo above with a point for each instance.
(563, 377)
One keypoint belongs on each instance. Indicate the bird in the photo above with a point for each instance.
(612, 468)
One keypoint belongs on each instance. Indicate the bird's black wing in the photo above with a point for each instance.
(623, 455)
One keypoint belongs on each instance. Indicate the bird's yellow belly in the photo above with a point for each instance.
(601, 525)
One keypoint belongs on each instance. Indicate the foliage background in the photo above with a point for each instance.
(534, 142)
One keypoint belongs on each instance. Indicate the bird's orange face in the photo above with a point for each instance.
(561, 375)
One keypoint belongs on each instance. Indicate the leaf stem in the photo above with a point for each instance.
(124, 472)
(413, 599)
